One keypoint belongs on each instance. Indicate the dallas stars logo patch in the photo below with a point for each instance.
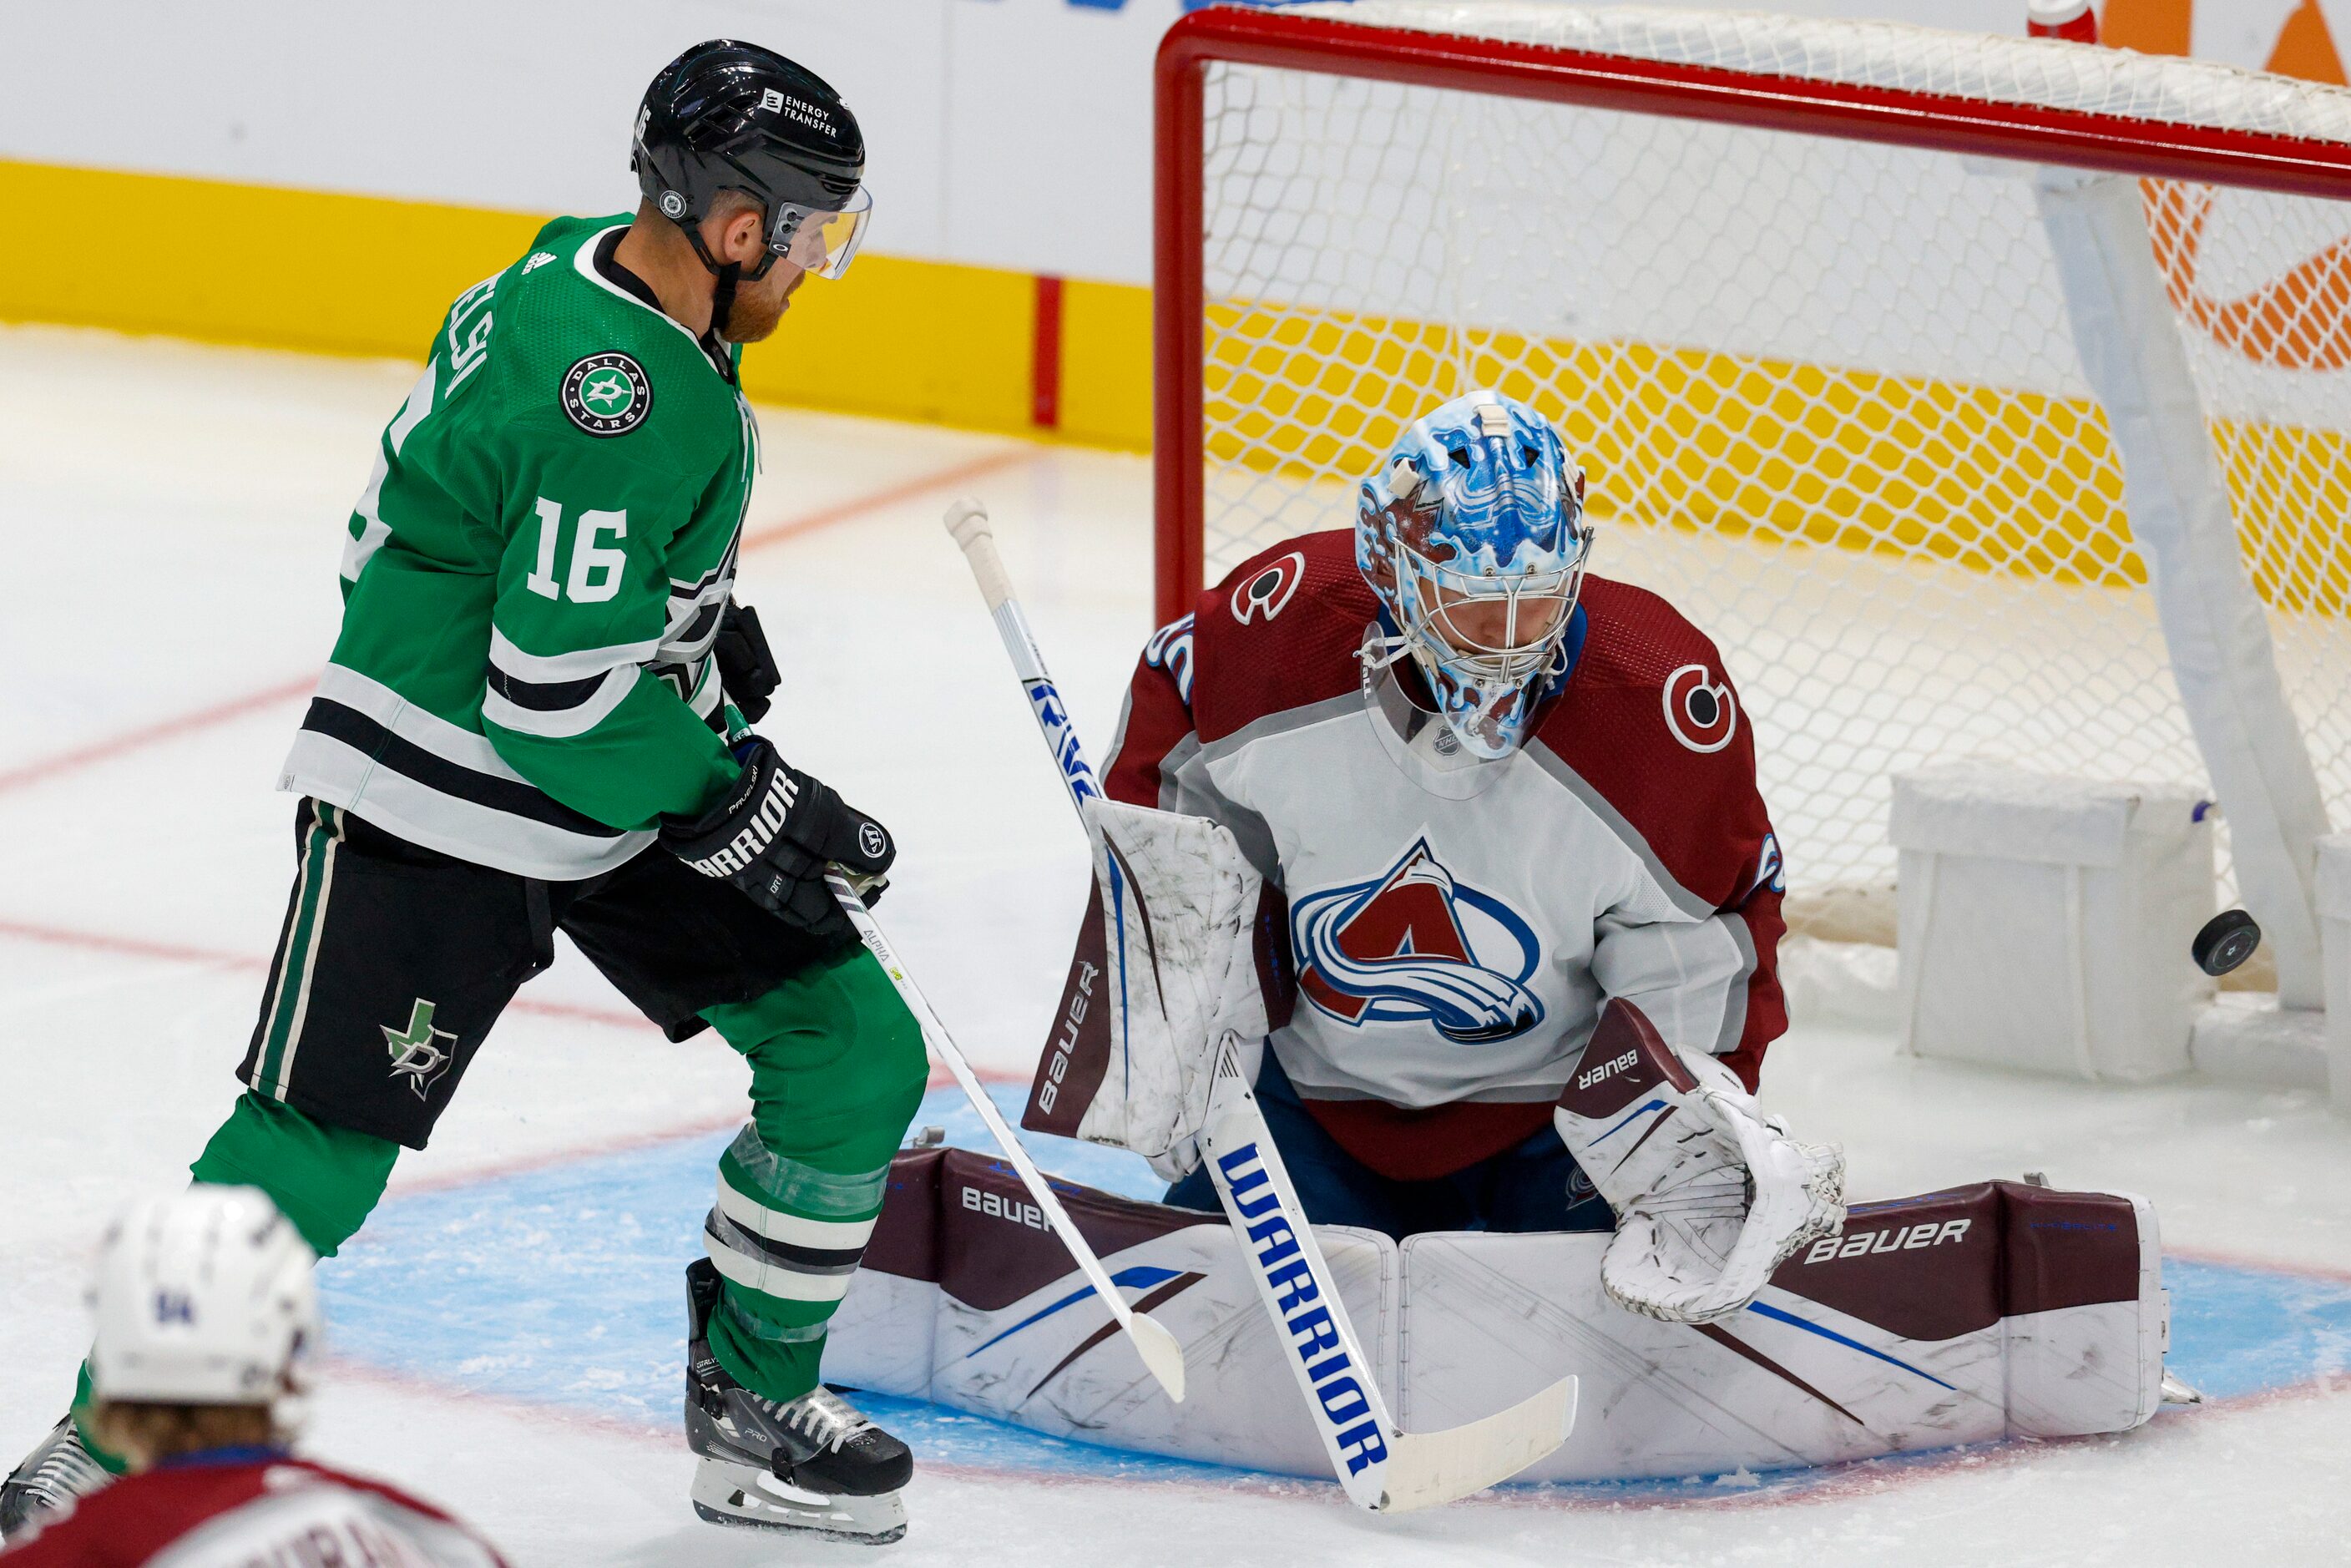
(422, 1054)
(607, 394)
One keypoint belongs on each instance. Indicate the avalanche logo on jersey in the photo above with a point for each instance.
(1267, 592)
(1414, 945)
(1699, 710)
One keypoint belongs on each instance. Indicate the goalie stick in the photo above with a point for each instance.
(1379, 1465)
(1163, 1358)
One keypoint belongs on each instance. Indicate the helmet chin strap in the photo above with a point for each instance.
(729, 275)
(722, 304)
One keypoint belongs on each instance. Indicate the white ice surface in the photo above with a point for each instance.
(170, 516)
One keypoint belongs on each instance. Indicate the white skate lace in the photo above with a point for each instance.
(825, 1419)
(67, 1470)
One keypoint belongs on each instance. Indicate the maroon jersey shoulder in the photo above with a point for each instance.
(1280, 631)
(137, 1517)
(1651, 721)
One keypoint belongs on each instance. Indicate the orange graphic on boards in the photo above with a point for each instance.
(2302, 321)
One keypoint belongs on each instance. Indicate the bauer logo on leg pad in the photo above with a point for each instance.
(1901, 1239)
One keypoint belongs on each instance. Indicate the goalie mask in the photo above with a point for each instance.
(1474, 540)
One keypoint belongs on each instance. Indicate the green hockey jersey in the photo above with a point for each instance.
(534, 577)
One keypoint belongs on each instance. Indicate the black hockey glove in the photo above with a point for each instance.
(745, 664)
(772, 836)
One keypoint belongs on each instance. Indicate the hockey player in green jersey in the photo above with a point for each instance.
(530, 725)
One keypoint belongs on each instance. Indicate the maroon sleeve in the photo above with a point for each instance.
(1767, 1006)
(1652, 722)
(1158, 717)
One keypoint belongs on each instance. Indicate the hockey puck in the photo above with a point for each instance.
(2227, 940)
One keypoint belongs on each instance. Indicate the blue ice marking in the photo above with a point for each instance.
(562, 1286)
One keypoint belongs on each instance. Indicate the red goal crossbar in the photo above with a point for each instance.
(1934, 121)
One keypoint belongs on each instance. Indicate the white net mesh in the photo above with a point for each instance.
(1826, 391)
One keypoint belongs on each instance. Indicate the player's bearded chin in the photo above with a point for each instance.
(756, 310)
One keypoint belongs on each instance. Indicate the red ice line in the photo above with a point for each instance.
(214, 958)
(160, 730)
(1858, 1479)
(148, 733)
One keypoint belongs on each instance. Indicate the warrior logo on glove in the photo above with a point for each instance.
(774, 837)
(1415, 945)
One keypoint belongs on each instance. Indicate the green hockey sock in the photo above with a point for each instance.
(324, 1179)
(837, 1072)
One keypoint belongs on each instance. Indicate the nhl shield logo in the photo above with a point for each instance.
(607, 394)
(1415, 945)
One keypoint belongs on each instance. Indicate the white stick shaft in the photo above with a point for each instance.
(1378, 1465)
(967, 522)
(944, 1046)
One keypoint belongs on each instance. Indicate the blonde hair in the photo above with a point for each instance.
(147, 1434)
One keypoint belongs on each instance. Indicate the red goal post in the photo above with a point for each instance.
(1244, 35)
(1285, 354)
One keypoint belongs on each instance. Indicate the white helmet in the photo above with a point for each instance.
(204, 1297)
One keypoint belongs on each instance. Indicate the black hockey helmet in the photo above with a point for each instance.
(729, 116)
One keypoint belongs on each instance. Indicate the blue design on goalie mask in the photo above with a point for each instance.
(1472, 536)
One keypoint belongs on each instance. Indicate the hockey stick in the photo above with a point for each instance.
(1163, 1358)
(1379, 1465)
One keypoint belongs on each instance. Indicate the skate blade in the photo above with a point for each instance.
(743, 1498)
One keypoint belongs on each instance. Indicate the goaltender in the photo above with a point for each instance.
(530, 725)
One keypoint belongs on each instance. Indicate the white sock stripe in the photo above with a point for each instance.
(769, 1279)
(827, 1235)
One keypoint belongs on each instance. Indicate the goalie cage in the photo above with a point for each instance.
(1857, 328)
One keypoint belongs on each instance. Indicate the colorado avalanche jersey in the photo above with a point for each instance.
(246, 1508)
(1456, 925)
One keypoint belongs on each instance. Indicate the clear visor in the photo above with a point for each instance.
(820, 242)
(1499, 628)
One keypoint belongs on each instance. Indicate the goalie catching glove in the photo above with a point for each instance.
(774, 834)
(1710, 1195)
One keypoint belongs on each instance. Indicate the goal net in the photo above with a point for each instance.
(1790, 290)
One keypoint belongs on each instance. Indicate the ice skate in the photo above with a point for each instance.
(58, 1470)
(812, 1465)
